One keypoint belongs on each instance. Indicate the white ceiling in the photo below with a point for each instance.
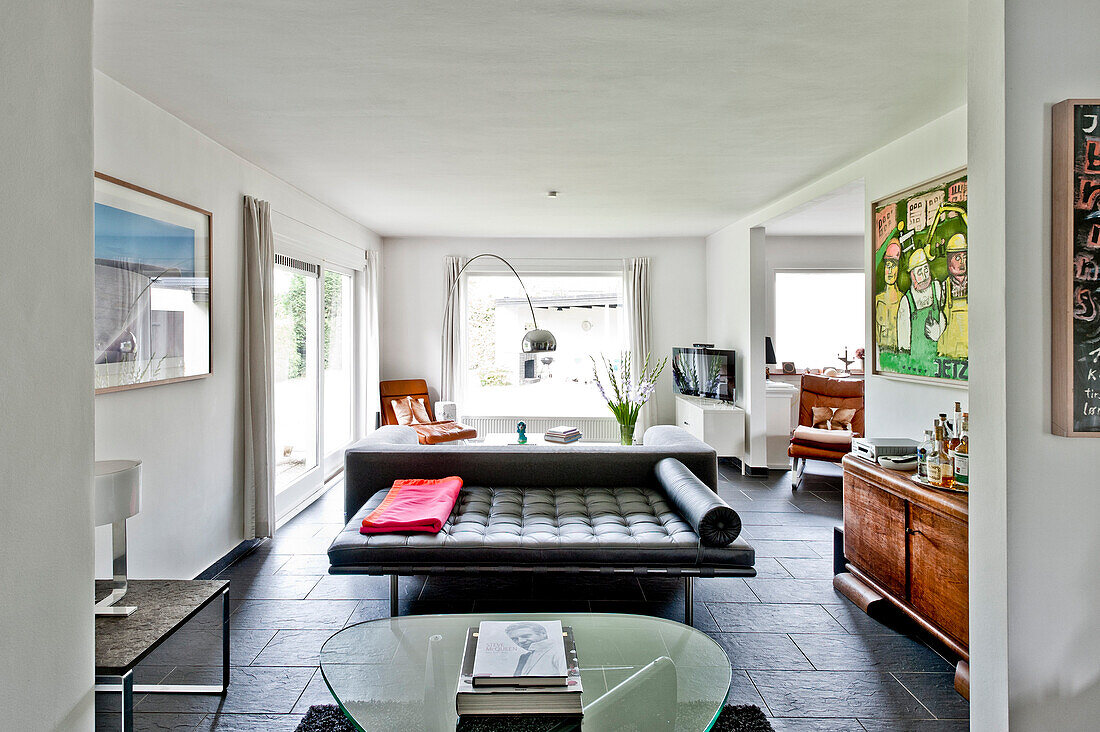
(653, 118)
(838, 213)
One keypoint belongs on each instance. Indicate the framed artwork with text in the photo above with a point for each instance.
(152, 319)
(919, 282)
(1075, 269)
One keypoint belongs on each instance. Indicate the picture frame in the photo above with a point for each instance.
(920, 322)
(153, 314)
(1075, 268)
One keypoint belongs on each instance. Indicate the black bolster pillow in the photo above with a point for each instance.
(713, 520)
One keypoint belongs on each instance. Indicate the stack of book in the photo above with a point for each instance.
(562, 434)
(519, 667)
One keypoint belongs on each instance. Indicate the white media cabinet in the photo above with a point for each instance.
(719, 424)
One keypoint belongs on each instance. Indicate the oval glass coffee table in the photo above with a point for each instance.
(638, 672)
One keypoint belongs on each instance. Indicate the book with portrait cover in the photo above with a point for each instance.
(519, 696)
(520, 653)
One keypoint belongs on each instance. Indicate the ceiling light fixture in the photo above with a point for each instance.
(551, 194)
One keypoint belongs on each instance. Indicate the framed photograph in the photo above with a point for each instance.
(152, 288)
(919, 282)
(1075, 269)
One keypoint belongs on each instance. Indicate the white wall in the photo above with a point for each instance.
(189, 435)
(46, 635)
(1048, 484)
(412, 308)
(734, 298)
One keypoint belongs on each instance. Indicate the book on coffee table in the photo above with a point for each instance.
(522, 683)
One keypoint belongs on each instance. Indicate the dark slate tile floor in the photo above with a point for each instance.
(800, 651)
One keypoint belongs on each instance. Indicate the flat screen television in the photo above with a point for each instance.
(705, 372)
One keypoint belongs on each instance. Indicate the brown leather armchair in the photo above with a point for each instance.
(810, 443)
(431, 433)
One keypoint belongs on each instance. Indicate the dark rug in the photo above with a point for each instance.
(329, 718)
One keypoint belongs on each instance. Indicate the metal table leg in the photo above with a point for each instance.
(125, 685)
(689, 599)
(225, 640)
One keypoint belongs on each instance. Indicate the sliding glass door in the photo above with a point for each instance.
(315, 366)
(297, 383)
(339, 368)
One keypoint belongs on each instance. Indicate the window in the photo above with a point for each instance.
(582, 310)
(817, 315)
(315, 384)
(339, 366)
(296, 375)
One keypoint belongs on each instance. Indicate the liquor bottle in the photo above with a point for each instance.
(962, 453)
(924, 450)
(947, 467)
(934, 469)
(956, 418)
(946, 425)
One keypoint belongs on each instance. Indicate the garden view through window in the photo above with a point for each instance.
(817, 315)
(584, 312)
(314, 355)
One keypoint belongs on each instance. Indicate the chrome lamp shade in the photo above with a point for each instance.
(539, 340)
(117, 497)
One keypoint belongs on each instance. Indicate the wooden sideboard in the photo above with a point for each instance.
(908, 545)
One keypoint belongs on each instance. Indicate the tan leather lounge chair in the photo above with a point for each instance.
(430, 433)
(839, 418)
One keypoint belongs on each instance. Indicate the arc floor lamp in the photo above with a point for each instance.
(536, 340)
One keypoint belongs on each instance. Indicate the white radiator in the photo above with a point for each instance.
(593, 429)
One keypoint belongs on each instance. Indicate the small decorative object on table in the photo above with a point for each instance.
(845, 360)
(860, 353)
(521, 433)
(626, 395)
(788, 367)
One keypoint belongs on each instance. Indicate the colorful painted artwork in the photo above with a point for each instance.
(920, 281)
(152, 288)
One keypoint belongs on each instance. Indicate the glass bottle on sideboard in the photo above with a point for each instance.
(924, 451)
(934, 469)
(947, 468)
(962, 453)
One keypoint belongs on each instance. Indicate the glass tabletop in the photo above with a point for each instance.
(637, 672)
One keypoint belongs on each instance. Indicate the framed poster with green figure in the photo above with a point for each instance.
(919, 282)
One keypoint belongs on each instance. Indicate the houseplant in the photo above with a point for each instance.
(625, 392)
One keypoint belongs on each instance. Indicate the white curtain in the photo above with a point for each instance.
(370, 292)
(451, 344)
(636, 309)
(259, 372)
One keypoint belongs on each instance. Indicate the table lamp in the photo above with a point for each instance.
(117, 498)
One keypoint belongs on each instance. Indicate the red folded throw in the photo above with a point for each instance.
(414, 505)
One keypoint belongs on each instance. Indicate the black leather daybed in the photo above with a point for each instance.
(646, 509)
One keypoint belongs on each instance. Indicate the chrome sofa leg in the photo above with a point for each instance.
(689, 600)
(394, 611)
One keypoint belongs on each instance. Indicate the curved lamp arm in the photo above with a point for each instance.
(534, 341)
(451, 291)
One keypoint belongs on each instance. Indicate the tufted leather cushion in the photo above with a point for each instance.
(540, 526)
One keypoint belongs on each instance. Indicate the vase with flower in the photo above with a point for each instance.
(624, 391)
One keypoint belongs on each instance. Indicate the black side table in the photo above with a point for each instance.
(122, 642)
